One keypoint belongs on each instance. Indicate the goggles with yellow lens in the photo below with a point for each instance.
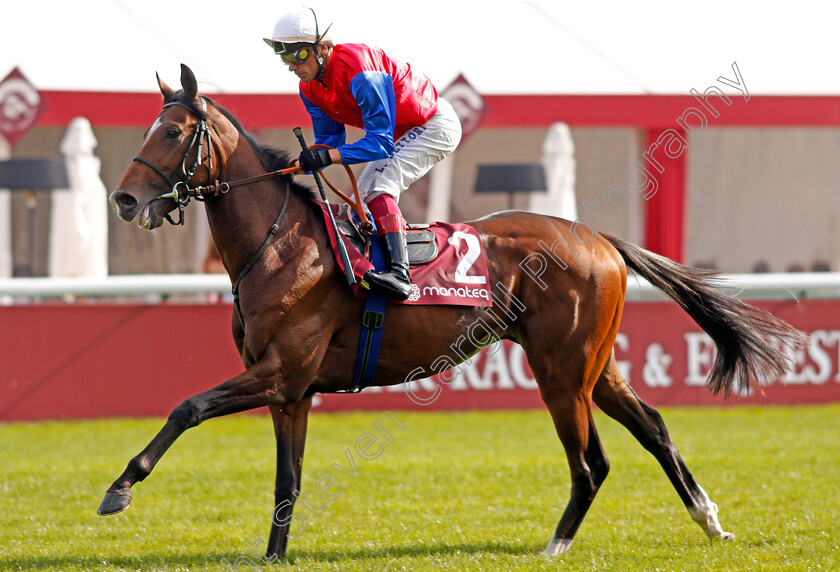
(297, 56)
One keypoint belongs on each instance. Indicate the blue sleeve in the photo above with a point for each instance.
(327, 130)
(374, 92)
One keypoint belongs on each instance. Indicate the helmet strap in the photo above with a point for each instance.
(318, 57)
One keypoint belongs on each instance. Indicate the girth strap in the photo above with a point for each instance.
(373, 318)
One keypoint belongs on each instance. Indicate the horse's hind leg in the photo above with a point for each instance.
(588, 465)
(615, 397)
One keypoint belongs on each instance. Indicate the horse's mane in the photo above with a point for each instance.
(272, 158)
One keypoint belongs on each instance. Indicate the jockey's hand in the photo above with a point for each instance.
(313, 159)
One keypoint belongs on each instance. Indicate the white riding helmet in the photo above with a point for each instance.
(298, 26)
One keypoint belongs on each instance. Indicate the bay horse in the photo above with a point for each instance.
(296, 324)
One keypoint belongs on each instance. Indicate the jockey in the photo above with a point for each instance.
(408, 128)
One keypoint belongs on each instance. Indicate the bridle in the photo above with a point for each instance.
(180, 190)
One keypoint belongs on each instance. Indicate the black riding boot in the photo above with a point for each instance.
(394, 282)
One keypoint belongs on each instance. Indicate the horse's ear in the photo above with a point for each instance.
(164, 89)
(188, 81)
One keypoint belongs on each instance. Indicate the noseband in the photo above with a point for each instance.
(180, 190)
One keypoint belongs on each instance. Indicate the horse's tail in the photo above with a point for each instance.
(750, 342)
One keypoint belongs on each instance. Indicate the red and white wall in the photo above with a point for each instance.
(63, 361)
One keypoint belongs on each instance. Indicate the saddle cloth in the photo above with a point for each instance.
(448, 265)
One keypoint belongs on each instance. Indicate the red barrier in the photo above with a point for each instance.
(110, 360)
(82, 361)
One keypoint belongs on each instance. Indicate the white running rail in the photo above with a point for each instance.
(762, 286)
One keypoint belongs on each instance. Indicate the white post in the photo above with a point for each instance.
(440, 189)
(5, 218)
(558, 160)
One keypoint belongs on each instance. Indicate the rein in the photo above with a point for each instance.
(181, 192)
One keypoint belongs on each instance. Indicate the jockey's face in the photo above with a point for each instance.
(308, 69)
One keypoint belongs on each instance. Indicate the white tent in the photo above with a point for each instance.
(558, 161)
(79, 217)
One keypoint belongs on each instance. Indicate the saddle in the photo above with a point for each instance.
(448, 264)
(455, 275)
(422, 247)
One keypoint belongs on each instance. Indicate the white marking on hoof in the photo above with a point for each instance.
(557, 546)
(705, 514)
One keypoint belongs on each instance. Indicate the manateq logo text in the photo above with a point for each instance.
(462, 292)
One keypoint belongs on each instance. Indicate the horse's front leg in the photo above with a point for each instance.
(257, 386)
(290, 430)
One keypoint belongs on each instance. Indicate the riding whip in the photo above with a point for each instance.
(342, 250)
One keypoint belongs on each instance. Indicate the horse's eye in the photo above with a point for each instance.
(173, 133)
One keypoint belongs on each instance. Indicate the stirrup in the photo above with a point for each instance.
(392, 283)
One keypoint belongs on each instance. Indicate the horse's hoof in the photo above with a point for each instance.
(557, 546)
(114, 502)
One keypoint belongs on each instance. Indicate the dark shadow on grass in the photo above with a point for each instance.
(145, 562)
(215, 559)
(437, 549)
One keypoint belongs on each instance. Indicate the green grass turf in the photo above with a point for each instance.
(456, 491)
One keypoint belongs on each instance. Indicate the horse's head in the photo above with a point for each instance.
(185, 146)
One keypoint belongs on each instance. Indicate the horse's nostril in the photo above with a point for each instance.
(126, 200)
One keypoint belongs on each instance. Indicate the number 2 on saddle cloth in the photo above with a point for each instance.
(448, 266)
